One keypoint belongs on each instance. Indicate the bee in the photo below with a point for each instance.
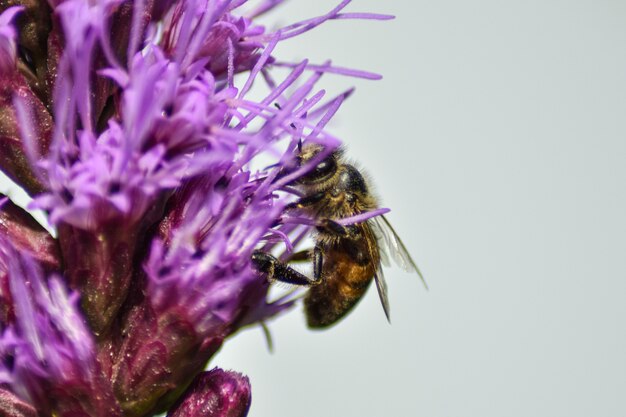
(346, 258)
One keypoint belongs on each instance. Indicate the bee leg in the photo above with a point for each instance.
(318, 262)
(279, 271)
(351, 231)
(300, 256)
(316, 255)
(303, 202)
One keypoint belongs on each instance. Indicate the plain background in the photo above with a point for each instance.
(497, 136)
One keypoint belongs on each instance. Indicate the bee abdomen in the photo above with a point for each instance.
(344, 284)
(324, 307)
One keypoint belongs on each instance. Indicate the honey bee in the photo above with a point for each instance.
(345, 258)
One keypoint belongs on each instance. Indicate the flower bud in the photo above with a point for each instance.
(12, 406)
(26, 234)
(216, 393)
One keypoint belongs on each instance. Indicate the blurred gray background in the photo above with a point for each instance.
(498, 138)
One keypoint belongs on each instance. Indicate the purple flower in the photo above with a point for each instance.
(47, 346)
(130, 124)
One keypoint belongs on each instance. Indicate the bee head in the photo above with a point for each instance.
(323, 170)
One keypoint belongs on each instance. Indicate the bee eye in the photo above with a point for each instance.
(323, 169)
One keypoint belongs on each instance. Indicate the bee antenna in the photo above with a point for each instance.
(300, 145)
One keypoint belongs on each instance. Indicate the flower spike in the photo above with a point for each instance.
(135, 126)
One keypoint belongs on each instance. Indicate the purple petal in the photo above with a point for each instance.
(363, 216)
(331, 69)
(7, 39)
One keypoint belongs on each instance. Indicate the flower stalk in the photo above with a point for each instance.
(130, 124)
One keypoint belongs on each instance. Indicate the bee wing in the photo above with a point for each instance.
(384, 256)
(382, 239)
(390, 244)
(381, 286)
(373, 237)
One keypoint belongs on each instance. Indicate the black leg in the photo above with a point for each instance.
(279, 271)
(300, 256)
(307, 201)
(351, 231)
(318, 262)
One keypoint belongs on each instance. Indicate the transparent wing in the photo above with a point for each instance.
(381, 286)
(391, 246)
(384, 256)
(381, 239)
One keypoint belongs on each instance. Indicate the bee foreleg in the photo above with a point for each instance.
(279, 271)
(300, 256)
(314, 254)
(306, 201)
(351, 231)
